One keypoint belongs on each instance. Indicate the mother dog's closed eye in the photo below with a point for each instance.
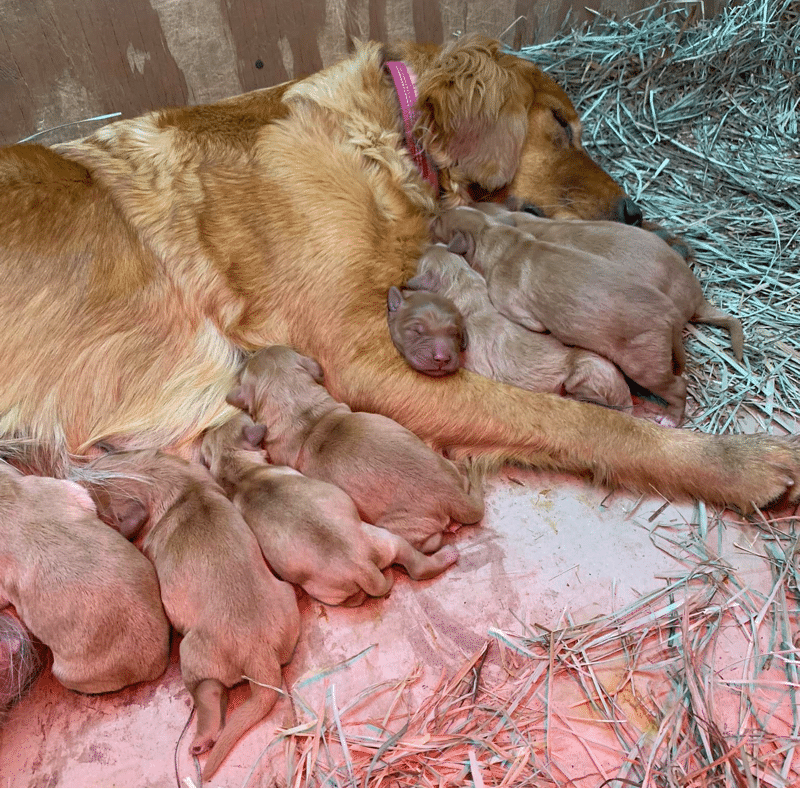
(163, 246)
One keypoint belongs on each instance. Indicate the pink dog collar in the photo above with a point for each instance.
(405, 84)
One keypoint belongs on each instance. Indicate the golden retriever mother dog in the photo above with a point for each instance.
(140, 263)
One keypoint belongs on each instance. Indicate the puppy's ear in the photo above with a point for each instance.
(124, 514)
(254, 434)
(464, 339)
(462, 244)
(313, 368)
(394, 299)
(131, 517)
(240, 397)
(427, 281)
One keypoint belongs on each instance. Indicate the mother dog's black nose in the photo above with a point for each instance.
(628, 212)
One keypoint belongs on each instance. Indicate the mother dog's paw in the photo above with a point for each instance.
(763, 471)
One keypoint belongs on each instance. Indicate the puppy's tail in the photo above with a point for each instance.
(263, 695)
(678, 350)
(708, 313)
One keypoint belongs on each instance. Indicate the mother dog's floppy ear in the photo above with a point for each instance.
(473, 103)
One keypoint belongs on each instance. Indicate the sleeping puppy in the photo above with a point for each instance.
(427, 329)
(79, 587)
(448, 307)
(581, 298)
(625, 246)
(310, 531)
(238, 621)
(395, 480)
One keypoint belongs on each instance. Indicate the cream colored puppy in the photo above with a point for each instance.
(238, 621)
(639, 251)
(395, 480)
(79, 587)
(310, 531)
(581, 298)
(450, 303)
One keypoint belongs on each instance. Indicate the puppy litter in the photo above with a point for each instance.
(698, 119)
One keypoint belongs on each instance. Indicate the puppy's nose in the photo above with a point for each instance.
(628, 212)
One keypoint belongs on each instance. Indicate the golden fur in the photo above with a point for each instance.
(140, 262)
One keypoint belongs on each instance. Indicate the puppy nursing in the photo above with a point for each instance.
(78, 586)
(238, 621)
(583, 299)
(310, 531)
(452, 308)
(396, 481)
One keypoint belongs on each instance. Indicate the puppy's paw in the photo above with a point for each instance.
(354, 600)
(446, 556)
(201, 744)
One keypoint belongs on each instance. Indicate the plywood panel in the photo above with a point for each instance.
(69, 60)
(66, 60)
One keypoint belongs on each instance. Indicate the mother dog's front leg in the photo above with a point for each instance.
(467, 414)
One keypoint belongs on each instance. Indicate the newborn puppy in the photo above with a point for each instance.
(639, 251)
(395, 480)
(238, 621)
(499, 349)
(82, 589)
(582, 299)
(428, 330)
(310, 531)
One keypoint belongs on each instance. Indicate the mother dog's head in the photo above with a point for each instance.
(497, 125)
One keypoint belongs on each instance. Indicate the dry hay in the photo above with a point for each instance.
(692, 685)
(699, 121)
(695, 684)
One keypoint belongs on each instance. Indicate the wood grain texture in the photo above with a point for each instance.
(62, 61)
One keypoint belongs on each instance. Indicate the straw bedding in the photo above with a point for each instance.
(699, 121)
(695, 684)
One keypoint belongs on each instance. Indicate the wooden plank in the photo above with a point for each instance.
(83, 58)
(65, 60)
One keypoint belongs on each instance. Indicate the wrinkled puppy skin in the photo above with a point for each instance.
(395, 480)
(310, 531)
(427, 329)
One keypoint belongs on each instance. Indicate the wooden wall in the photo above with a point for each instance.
(66, 60)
